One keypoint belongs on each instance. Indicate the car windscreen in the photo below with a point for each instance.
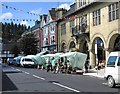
(111, 61)
(27, 59)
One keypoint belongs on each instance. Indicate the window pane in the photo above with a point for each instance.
(110, 16)
(93, 14)
(113, 15)
(93, 22)
(113, 7)
(109, 8)
(96, 21)
(111, 60)
(117, 5)
(99, 12)
(118, 62)
(99, 20)
(117, 14)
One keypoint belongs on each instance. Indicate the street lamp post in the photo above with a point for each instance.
(96, 55)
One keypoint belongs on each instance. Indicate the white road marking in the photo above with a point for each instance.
(66, 87)
(53, 82)
(39, 77)
(26, 73)
(104, 83)
(18, 70)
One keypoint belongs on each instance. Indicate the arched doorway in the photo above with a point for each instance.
(98, 50)
(63, 47)
(117, 44)
(83, 46)
(114, 43)
(85, 50)
(72, 45)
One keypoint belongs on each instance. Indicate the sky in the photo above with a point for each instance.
(20, 10)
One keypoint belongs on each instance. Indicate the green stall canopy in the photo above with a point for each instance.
(38, 59)
(76, 59)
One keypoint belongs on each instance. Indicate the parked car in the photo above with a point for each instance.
(27, 61)
(17, 60)
(10, 61)
(112, 69)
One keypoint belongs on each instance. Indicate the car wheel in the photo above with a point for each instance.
(111, 82)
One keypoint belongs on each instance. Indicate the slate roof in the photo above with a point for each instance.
(52, 13)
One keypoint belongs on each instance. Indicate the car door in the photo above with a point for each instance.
(118, 69)
(111, 66)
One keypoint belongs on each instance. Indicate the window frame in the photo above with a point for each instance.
(108, 62)
(63, 28)
(72, 24)
(97, 17)
(113, 11)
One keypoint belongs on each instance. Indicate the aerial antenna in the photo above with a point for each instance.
(58, 3)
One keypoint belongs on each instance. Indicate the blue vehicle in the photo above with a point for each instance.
(17, 61)
(10, 61)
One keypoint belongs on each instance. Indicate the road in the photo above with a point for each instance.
(18, 79)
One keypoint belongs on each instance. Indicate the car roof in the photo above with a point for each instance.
(117, 53)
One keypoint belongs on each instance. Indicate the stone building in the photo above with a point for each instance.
(92, 27)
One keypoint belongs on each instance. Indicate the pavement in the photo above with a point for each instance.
(95, 73)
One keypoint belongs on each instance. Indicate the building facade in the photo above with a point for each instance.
(36, 30)
(92, 28)
(49, 31)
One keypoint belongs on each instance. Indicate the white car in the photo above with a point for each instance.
(26, 61)
(112, 69)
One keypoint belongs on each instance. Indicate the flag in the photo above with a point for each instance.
(2, 4)
(63, 18)
(6, 6)
(54, 18)
(11, 7)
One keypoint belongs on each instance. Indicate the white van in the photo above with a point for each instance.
(27, 61)
(112, 69)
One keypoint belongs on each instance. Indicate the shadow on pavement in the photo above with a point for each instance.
(12, 72)
(7, 84)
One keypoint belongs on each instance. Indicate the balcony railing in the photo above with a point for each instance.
(78, 30)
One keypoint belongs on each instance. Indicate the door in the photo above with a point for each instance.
(110, 67)
(118, 69)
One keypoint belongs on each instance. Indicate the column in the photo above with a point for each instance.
(107, 52)
(92, 58)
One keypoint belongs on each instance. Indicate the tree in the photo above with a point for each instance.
(15, 50)
(28, 44)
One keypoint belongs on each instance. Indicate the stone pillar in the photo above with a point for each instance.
(92, 58)
(107, 51)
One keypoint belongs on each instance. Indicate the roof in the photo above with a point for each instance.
(53, 13)
(117, 53)
(35, 27)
